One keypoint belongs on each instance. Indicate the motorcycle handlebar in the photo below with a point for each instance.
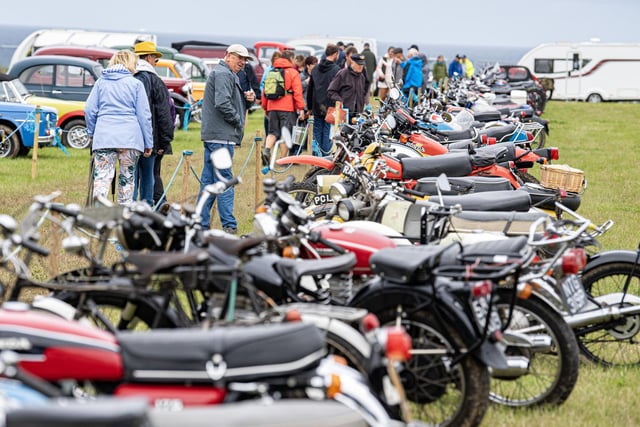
(316, 237)
(30, 245)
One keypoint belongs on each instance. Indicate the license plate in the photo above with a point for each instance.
(322, 199)
(481, 311)
(573, 293)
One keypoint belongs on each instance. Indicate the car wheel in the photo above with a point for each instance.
(594, 97)
(74, 135)
(10, 143)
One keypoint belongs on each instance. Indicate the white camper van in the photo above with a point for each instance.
(588, 71)
(54, 37)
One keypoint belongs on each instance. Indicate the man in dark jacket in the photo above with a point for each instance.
(370, 61)
(350, 86)
(223, 119)
(148, 179)
(317, 99)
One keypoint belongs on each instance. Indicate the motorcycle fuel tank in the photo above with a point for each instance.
(54, 349)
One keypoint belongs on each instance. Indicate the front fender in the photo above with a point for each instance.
(610, 257)
(306, 159)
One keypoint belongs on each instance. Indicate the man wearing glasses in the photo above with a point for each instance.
(223, 115)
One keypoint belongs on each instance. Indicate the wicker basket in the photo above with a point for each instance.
(562, 176)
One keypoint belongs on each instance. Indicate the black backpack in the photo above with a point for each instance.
(274, 84)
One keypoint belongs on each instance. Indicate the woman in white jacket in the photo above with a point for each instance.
(119, 122)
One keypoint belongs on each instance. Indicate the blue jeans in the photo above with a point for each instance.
(322, 134)
(144, 181)
(226, 199)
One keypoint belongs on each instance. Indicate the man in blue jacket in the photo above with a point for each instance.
(223, 116)
(455, 67)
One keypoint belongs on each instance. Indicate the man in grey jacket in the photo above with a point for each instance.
(223, 115)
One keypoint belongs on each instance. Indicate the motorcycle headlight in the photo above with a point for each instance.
(348, 208)
(265, 225)
(340, 190)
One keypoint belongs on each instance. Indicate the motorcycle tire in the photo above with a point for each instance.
(305, 192)
(438, 392)
(552, 374)
(616, 342)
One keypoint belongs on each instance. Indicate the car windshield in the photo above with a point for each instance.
(14, 91)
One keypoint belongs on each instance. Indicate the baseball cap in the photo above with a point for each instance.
(357, 58)
(239, 50)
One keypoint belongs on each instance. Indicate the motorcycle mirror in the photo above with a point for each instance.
(221, 159)
(447, 117)
(394, 93)
(443, 182)
(391, 122)
(8, 223)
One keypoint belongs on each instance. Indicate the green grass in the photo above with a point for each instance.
(600, 139)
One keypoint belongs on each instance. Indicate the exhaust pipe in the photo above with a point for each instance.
(517, 366)
(611, 310)
(601, 315)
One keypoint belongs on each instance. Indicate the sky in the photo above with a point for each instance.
(457, 22)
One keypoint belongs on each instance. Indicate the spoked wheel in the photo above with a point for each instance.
(440, 393)
(553, 365)
(618, 342)
(306, 192)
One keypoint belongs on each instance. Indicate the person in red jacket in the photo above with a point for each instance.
(284, 111)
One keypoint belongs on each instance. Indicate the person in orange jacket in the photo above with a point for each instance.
(285, 110)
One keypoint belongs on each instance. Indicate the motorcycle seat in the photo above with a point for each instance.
(410, 265)
(498, 132)
(71, 413)
(508, 222)
(295, 269)
(545, 198)
(508, 200)
(456, 254)
(451, 164)
(455, 135)
(487, 116)
(464, 185)
(149, 263)
(230, 353)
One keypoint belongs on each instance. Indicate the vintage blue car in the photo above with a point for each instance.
(17, 128)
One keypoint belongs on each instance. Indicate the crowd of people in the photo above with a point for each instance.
(130, 115)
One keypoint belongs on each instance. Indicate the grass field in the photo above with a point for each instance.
(601, 139)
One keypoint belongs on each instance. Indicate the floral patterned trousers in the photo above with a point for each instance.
(104, 168)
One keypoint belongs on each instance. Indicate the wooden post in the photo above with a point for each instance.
(186, 171)
(310, 120)
(34, 156)
(258, 169)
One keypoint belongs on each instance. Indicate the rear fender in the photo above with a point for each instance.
(341, 329)
(306, 159)
(379, 296)
(611, 257)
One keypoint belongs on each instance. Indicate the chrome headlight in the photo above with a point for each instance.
(340, 190)
(348, 209)
(265, 225)
(186, 89)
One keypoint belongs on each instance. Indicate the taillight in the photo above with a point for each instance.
(398, 344)
(483, 138)
(573, 261)
(491, 140)
(370, 322)
(481, 289)
(554, 153)
(529, 136)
